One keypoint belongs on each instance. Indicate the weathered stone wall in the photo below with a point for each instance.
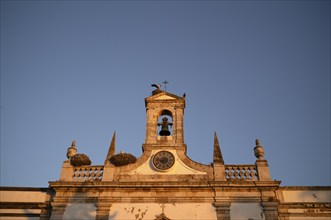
(25, 203)
(149, 211)
(304, 203)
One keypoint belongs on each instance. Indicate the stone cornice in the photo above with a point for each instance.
(18, 188)
(291, 188)
(267, 185)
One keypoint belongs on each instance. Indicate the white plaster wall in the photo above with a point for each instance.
(174, 211)
(86, 211)
(178, 168)
(245, 211)
(22, 196)
(307, 196)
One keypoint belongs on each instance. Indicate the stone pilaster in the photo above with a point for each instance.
(179, 127)
(45, 212)
(219, 172)
(108, 172)
(151, 128)
(223, 210)
(263, 170)
(67, 171)
(58, 208)
(270, 210)
(103, 208)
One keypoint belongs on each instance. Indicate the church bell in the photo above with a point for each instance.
(165, 127)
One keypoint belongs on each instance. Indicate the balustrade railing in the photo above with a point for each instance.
(241, 172)
(85, 173)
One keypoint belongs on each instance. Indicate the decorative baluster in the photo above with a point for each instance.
(74, 175)
(233, 174)
(101, 173)
(227, 173)
(88, 173)
(230, 173)
(98, 173)
(94, 171)
(85, 173)
(252, 174)
(241, 173)
(81, 174)
(236, 173)
(247, 171)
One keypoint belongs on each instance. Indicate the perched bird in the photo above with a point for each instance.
(157, 86)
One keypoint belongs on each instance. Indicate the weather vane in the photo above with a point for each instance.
(165, 85)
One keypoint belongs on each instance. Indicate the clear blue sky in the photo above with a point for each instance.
(79, 70)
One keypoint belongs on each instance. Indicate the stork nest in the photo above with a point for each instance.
(156, 91)
(80, 160)
(122, 159)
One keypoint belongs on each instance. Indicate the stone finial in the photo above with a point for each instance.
(218, 158)
(258, 150)
(72, 150)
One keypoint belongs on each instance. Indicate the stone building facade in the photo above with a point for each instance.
(164, 183)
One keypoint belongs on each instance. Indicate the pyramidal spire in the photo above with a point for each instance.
(218, 158)
(112, 148)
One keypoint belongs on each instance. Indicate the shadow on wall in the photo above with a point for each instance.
(86, 211)
(246, 211)
(113, 216)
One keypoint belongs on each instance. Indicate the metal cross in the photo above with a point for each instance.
(165, 85)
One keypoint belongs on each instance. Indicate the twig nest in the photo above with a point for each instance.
(80, 160)
(122, 159)
(156, 91)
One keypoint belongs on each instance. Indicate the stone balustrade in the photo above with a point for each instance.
(241, 172)
(87, 173)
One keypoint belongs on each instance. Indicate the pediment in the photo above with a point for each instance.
(164, 96)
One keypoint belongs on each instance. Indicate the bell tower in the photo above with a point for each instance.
(164, 120)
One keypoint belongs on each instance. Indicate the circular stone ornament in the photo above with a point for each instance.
(163, 160)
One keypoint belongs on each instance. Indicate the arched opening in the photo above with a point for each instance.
(165, 123)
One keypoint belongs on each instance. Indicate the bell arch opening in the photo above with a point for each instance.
(164, 123)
